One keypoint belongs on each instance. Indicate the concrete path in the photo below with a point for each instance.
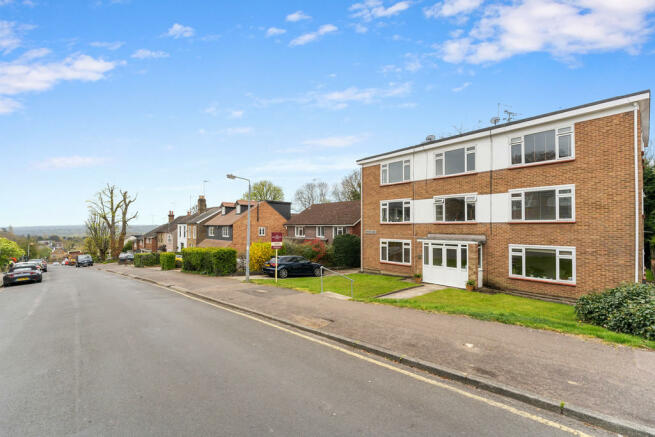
(614, 380)
(413, 292)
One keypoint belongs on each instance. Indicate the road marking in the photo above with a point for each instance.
(388, 366)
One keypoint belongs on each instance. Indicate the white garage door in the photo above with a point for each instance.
(445, 263)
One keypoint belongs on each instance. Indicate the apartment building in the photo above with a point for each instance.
(548, 205)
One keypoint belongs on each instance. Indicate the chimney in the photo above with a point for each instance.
(171, 216)
(202, 204)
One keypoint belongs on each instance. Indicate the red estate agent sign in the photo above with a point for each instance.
(276, 240)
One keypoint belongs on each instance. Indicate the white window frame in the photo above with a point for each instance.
(261, 231)
(225, 232)
(405, 244)
(299, 234)
(170, 239)
(519, 195)
(210, 231)
(515, 249)
(339, 230)
(559, 132)
(384, 206)
(222, 210)
(320, 231)
(439, 161)
(194, 231)
(468, 198)
(384, 171)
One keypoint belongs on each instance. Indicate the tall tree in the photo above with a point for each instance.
(125, 203)
(350, 187)
(265, 190)
(98, 233)
(9, 249)
(111, 205)
(311, 193)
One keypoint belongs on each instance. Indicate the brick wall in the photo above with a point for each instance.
(603, 233)
(261, 215)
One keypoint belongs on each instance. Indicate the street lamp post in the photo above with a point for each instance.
(231, 176)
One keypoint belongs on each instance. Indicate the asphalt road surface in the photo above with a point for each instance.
(90, 353)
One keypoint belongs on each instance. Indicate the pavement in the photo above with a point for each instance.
(586, 374)
(90, 353)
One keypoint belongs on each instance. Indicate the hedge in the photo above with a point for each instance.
(629, 308)
(347, 250)
(217, 261)
(260, 253)
(146, 259)
(167, 261)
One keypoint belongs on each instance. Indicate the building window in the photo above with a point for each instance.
(542, 262)
(395, 211)
(226, 232)
(222, 210)
(455, 208)
(393, 172)
(543, 204)
(320, 231)
(194, 232)
(339, 230)
(210, 231)
(179, 231)
(262, 231)
(548, 145)
(396, 251)
(300, 231)
(170, 239)
(455, 161)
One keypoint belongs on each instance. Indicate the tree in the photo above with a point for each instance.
(311, 193)
(99, 234)
(350, 187)
(128, 245)
(125, 203)
(9, 249)
(265, 190)
(649, 210)
(111, 205)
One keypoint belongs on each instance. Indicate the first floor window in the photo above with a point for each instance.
(320, 231)
(543, 204)
(300, 231)
(455, 209)
(262, 231)
(395, 211)
(340, 230)
(210, 231)
(226, 232)
(396, 251)
(397, 171)
(543, 262)
(455, 161)
(542, 146)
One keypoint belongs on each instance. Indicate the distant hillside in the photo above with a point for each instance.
(72, 230)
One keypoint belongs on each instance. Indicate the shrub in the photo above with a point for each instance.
(167, 261)
(259, 254)
(210, 260)
(347, 250)
(146, 259)
(629, 308)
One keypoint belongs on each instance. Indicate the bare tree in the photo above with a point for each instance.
(125, 203)
(350, 187)
(98, 233)
(311, 193)
(111, 206)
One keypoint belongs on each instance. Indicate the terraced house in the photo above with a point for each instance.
(548, 205)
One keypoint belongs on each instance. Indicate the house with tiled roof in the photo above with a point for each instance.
(325, 221)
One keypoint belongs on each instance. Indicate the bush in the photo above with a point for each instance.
(167, 261)
(629, 308)
(347, 250)
(259, 254)
(146, 259)
(217, 261)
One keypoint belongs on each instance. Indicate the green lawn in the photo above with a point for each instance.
(514, 310)
(365, 286)
(649, 275)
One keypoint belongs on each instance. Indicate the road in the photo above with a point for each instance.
(90, 353)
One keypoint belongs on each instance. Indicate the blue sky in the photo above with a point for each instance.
(157, 96)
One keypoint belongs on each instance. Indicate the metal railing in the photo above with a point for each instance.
(352, 281)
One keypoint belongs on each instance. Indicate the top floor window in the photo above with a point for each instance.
(455, 161)
(396, 171)
(395, 211)
(548, 145)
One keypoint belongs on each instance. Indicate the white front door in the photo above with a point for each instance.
(445, 263)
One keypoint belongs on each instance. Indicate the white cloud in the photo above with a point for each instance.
(236, 113)
(413, 63)
(297, 16)
(360, 28)
(149, 54)
(563, 28)
(115, 45)
(179, 31)
(9, 40)
(371, 9)
(63, 162)
(211, 110)
(242, 130)
(311, 36)
(8, 105)
(450, 8)
(274, 31)
(310, 165)
(338, 141)
(461, 87)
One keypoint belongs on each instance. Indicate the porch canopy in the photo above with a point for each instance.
(468, 238)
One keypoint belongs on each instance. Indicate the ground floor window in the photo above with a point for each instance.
(453, 255)
(397, 251)
(548, 263)
(320, 231)
(340, 230)
(262, 231)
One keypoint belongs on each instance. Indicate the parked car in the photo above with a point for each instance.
(22, 272)
(84, 261)
(125, 257)
(42, 262)
(291, 265)
(56, 263)
(65, 262)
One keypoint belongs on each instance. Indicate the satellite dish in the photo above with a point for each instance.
(430, 138)
(494, 120)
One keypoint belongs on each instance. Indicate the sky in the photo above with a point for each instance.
(158, 96)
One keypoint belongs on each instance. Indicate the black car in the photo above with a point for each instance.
(22, 272)
(292, 265)
(84, 261)
(42, 262)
